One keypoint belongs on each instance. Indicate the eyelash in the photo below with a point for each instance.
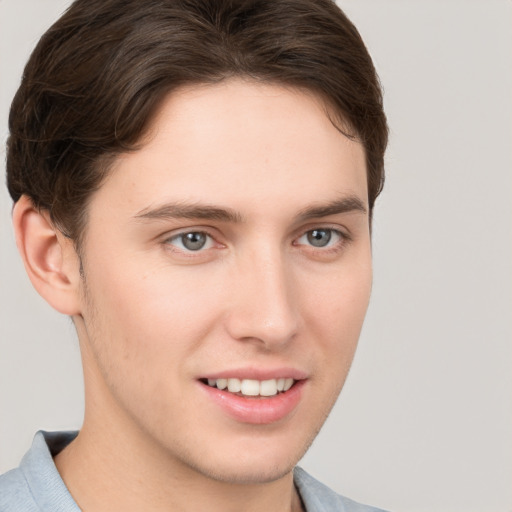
(180, 236)
(342, 240)
(331, 246)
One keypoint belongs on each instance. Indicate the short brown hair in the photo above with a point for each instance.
(98, 74)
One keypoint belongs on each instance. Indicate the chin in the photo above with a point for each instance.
(255, 462)
(248, 474)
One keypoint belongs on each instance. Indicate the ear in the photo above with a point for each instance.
(49, 257)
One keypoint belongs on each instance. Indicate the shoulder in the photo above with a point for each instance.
(36, 484)
(317, 497)
(15, 493)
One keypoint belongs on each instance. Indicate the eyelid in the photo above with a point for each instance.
(184, 229)
(343, 232)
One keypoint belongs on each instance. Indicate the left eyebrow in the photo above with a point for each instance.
(344, 205)
(189, 211)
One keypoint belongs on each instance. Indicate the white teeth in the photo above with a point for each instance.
(268, 387)
(234, 385)
(252, 387)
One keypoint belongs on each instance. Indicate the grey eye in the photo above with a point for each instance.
(193, 241)
(319, 237)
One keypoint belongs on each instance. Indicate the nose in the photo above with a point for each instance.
(263, 301)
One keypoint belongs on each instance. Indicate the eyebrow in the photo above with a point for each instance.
(347, 204)
(189, 211)
(210, 212)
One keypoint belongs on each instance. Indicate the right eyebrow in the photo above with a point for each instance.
(181, 210)
(345, 204)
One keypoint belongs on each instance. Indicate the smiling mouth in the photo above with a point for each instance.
(251, 387)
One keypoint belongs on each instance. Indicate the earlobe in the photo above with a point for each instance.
(50, 259)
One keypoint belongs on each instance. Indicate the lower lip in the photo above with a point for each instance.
(258, 411)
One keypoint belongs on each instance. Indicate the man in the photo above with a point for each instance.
(193, 185)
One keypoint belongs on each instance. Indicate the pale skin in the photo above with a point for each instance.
(273, 280)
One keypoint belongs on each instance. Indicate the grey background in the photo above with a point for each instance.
(425, 420)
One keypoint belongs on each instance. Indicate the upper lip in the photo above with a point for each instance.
(258, 374)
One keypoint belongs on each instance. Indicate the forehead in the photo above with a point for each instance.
(242, 143)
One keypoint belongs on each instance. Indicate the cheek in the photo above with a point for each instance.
(144, 330)
(151, 318)
(334, 314)
(339, 298)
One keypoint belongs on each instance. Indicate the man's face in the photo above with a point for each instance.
(233, 246)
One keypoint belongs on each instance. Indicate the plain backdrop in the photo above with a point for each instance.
(425, 420)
